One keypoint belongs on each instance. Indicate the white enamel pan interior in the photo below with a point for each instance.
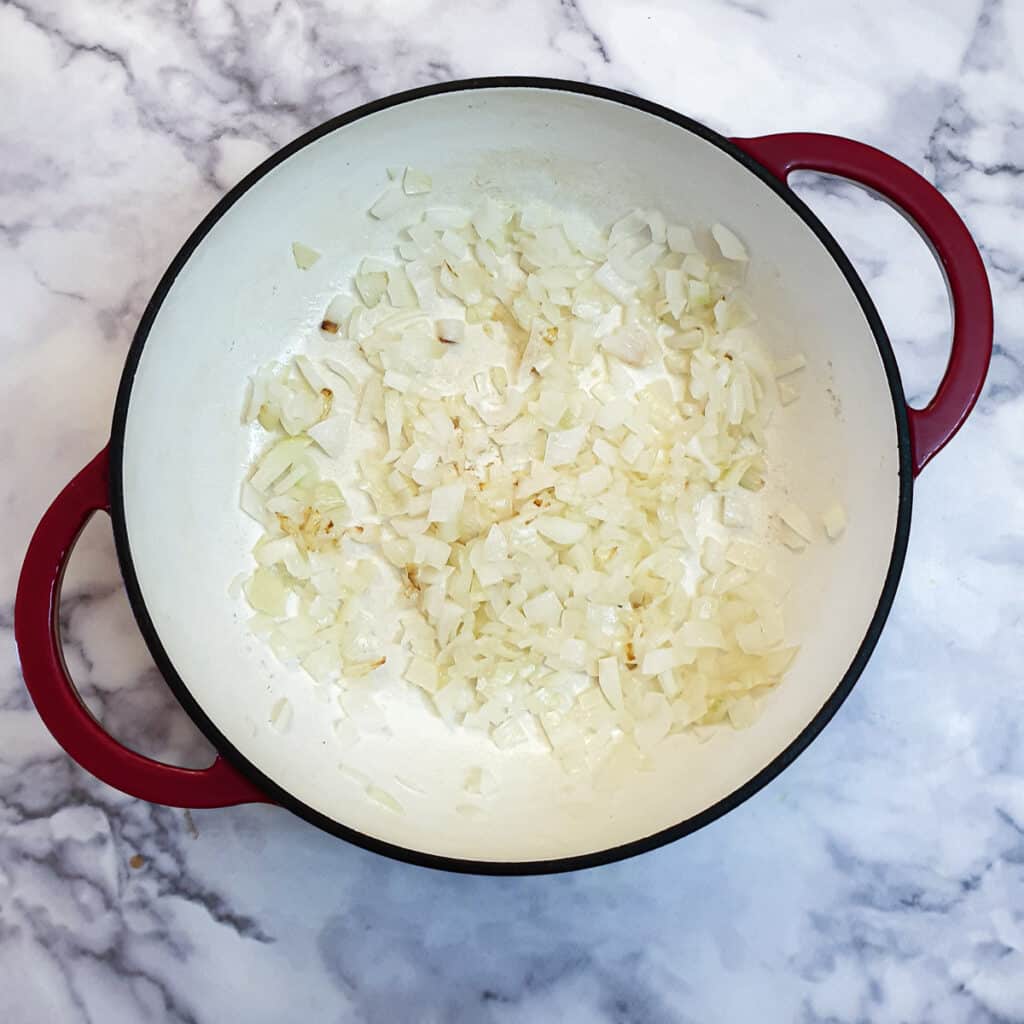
(239, 301)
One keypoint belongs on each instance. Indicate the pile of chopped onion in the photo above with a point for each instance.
(567, 428)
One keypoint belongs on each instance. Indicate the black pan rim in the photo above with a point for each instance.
(534, 867)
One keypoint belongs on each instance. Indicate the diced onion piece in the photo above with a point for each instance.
(394, 417)
(728, 244)
(561, 530)
(680, 239)
(332, 434)
(685, 341)
(656, 225)
(416, 183)
(784, 367)
(630, 344)
(541, 478)
(490, 219)
(632, 449)
(788, 392)
(400, 292)
(656, 662)
(564, 445)
(281, 714)
(698, 293)
(423, 673)
(339, 309)
(656, 720)
(675, 292)
(447, 217)
(834, 520)
(633, 222)
(509, 734)
(609, 681)
(615, 284)
(450, 330)
(669, 684)
(354, 775)
(573, 653)
(252, 503)
(312, 374)
(606, 452)
(797, 520)
(266, 592)
(742, 712)
(543, 610)
(304, 256)
(384, 799)
(479, 782)
(323, 663)
(278, 459)
(388, 203)
(593, 481)
(372, 286)
(446, 503)
(745, 554)
(793, 540)
(702, 634)
(431, 551)
(759, 636)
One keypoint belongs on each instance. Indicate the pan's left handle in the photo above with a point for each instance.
(37, 631)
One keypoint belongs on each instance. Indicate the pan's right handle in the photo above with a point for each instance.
(37, 631)
(933, 426)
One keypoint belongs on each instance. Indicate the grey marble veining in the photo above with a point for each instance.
(880, 879)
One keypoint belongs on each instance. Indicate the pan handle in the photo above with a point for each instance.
(934, 425)
(37, 631)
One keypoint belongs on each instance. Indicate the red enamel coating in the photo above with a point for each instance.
(37, 631)
(934, 425)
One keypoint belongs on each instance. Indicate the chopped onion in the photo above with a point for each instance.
(797, 520)
(788, 392)
(728, 244)
(608, 680)
(607, 277)
(415, 183)
(655, 721)
(479, 782)
(569, 532)
(372, 286)
(564, 445)
(390, 202)
(423, 673)
(784, 367)
(281, 714)
(450, 330)
(630, 344)
(332, 434)
(834, 520)
(384, 799)
(447, 218)
(561, 530)
(446, 503)
(680, 239)
(543, 610)
(659, 661)
(304, 256)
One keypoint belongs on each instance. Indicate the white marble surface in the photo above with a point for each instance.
(880, 879)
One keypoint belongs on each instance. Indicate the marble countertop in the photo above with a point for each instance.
(880, 879)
